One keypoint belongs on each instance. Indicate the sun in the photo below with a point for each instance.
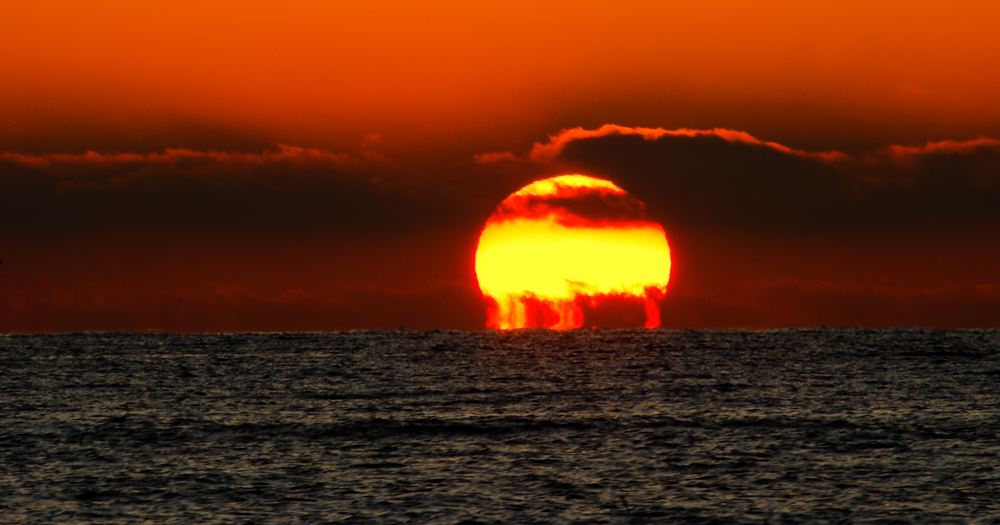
(561, 243)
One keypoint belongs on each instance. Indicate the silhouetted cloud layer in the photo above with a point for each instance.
(762, 234)
(305, 190)
(728, 179)
(714, 178)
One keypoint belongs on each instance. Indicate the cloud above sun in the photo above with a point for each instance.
(732, 179)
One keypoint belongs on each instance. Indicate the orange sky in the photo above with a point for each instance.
(312, 165)
(114, 74)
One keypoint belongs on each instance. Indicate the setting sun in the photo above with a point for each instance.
(565, 240)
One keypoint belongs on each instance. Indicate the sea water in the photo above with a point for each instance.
(585, 426)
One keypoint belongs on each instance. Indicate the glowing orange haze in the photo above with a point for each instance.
(314, 73)
(537, 259)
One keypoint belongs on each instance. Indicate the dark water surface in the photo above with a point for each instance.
(448, 427)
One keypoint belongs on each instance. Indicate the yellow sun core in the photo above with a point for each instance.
(561, 241)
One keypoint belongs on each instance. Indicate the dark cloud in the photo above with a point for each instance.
(292, 189)
(578, 208)
(730, 180)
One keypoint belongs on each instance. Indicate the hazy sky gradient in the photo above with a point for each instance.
(315, 165)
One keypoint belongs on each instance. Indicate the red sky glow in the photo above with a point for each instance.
(311, 165)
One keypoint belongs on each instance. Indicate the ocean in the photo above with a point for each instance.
(582, 426)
